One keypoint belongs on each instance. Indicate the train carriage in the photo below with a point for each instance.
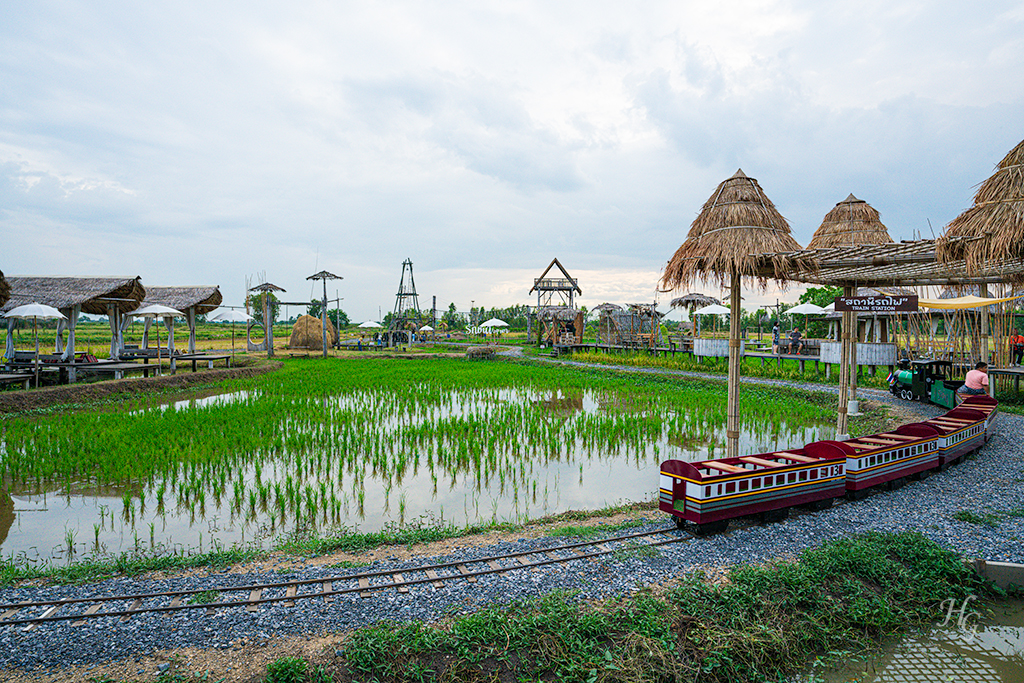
(711, 492)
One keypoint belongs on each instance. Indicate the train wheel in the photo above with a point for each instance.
(857, 495)
(823, 504)
(712, 527)
(680, 523)
(921, 476)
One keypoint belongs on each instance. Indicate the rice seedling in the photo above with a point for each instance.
(330, 441)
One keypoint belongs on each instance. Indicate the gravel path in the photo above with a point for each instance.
(988, 483)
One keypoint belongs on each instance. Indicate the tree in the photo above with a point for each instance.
(337, 316)
(255, 302)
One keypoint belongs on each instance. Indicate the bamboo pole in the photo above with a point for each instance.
(732, 428)
(844, 371)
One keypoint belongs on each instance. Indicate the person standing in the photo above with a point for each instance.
(976, 382)
(1017, 348)
(775, 338)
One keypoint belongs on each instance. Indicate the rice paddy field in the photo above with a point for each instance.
(361, 444)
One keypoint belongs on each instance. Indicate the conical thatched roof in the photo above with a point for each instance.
(205, 299)
(5, 289)
(606, 307)
(738, 230)
(694, 300)
(996, 220)
(852, 222)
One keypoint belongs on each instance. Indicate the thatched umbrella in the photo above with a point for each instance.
(739, 234)
(852, 222)
(990, 231)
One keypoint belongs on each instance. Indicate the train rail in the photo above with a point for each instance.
(31, 614)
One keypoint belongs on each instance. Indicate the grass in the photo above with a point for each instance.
(762, 624)
(990, 519)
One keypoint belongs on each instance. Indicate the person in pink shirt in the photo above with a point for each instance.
(976, 382)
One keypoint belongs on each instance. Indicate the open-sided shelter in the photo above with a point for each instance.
(738, 234)
(5, 289)
(191, 301)
(72, 296)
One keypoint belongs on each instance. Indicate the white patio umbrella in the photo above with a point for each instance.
(807, 309)
(35, 311)
(494, 322)
(830, 308)
(713, 309)
(426, 328)
(369, 324)
(158, 311)
(232, 316)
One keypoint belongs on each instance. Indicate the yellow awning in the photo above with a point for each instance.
(961, 302)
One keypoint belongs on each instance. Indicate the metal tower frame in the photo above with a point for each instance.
(407, 307)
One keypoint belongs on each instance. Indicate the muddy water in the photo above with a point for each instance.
(43, 521)
(966, 645)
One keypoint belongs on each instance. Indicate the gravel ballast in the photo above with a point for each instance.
(989, 483)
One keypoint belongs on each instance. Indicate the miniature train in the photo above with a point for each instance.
(926, 380)
(709, 493)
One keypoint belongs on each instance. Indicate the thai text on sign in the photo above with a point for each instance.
(877, 304)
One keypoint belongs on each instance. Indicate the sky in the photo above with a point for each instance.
(197, 143)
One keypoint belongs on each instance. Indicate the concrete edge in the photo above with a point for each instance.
(1002, 574)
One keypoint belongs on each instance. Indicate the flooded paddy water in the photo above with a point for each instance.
(360, 445)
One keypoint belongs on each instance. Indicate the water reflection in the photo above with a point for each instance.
(369, 458)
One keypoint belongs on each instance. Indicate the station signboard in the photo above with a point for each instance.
(877, 303)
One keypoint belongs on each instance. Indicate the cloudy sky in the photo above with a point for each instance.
(208, 143)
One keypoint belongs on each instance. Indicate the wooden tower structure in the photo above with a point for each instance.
(407, 317)
(554, 292)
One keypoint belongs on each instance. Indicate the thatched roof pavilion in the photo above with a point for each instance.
(994, 225)
(737, 234)
(853, 221)
(606, 307)
(5, 289)
(112, 297)
(93, 295)
(191, 301)
(693, 301)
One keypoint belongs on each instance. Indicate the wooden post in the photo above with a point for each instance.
(855, 332)
(983, 292)
(732, 426)
(268, 326)
(844, 370)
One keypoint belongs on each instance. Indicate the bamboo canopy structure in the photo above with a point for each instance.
(72, 296)
(994, 225)
(192, 301)
(851, 222)
(738, 234)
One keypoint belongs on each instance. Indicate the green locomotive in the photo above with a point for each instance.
(920, 380)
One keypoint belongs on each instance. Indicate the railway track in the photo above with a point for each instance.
(31, 614)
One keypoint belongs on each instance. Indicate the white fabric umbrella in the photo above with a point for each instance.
(806, 309)
(830, 308)
(713, 309)
(494, 322)
(35, 311)
(369, 324)
(159, 311)
(426, 328)
(232, 316)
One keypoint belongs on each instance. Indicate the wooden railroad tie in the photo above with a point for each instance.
(431, 574)
(93, 609)
(400, 580)
(254, 594)
(364, 583)
(464, 570)
(290, 593)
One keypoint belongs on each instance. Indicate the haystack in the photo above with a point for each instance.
(852, 222)
(991, 230)
(738, 234)
(307, 334)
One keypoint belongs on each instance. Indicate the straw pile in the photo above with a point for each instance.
(5, 289)
(851, 223)
(738, 230)
(995, 222)
(307, 334)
